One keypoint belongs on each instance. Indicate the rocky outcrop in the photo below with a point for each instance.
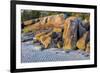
(70, 33)
(82, 42)
(75, 34)
(44, 23)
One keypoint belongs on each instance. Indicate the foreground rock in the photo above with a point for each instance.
(88, 47)
(75, 32)
(70, 33)
(82, 42)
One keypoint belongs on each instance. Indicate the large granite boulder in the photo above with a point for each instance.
(70, 33)
(82, 42)
(76, 33)
(83, 27)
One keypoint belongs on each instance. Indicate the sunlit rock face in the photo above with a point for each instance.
(81, 43)
(70, 33)
(42, 23)
(84, 36)
(76, 32)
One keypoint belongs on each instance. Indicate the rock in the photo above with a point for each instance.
(83, 27)
(81, 43)
(37, 48)
(42, 23)
(81, 30)
(27, 36)
(32, 27)
(86, 24)
(70, 33)
(28, 22)
(87, 47)
(58, 21)
(75, 35)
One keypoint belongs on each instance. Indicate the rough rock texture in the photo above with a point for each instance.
(48, 34)
(76, 31)
(88, 47)
(43, 23)
(70, 33)
(81, 43)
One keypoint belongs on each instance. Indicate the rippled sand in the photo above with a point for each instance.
(33, 53)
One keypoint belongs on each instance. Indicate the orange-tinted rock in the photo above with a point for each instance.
(45, 39)
(81, 43)
(44, 23)
(70, 33)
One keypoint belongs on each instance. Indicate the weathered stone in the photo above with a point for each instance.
(87, 47)
(75, 34)
(70, 33)
(28, 22)
(45, 39)
(83, 27)
(43, 23)
(58, 22)
(81, 43)
(57, 32)
(32, 27)
(86, 24)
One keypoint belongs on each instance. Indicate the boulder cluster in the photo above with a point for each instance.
(57, 31)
